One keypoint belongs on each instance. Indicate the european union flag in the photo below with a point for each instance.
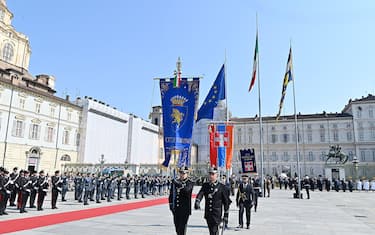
(216, 93)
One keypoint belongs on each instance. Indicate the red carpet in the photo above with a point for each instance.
(14, 225)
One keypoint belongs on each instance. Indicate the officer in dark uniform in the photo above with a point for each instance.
(78, 183)
(350, 185)
(14, 190)
(56, 188)
(127, 186)
(64, 188)
(306, 186)
(99, 187)
(216, 197)
(136, 186)
(320, 183)
(4, 190)
(42, 185)
(34, 188)
(180, 200)
(257, 191)
(244, 200)
(24, 185)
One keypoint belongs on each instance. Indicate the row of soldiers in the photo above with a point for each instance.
(97, 188)
(24, 186)
(20, 187)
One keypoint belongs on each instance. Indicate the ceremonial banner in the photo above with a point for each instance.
(248, 161)
(179, 108)
(221, 145)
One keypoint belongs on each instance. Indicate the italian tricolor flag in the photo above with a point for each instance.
(177, 79)
(255, 65)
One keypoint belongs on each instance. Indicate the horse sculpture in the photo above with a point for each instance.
(335, 153)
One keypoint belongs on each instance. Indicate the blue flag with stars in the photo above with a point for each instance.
(216, 93)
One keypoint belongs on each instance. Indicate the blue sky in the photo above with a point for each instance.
(112, 49)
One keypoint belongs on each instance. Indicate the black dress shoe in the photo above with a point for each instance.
(12, 204)
(85, 204)
(63, 200)
(55, 207)
(98, 202)
(32, 206)
(248, 227)
(5, 213)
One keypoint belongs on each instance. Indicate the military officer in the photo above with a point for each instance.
(56, 188)
(24, 185)
(87, 184)
(99, 187)
(306, 185)
(34, 180)
(136, 182)
(180, 200)
(4, 190)
(42, 185)
(127, 186)
(216, 197)
(64, 188)
(257, 191)
(244, 200)
(14, 190)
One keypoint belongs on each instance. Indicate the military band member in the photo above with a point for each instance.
(34, 189)
(64, 187)
(180, 200)
(216, 197)
(42, 189)
(109, 188)
(56, 188)
(244, 200)
(119, 183)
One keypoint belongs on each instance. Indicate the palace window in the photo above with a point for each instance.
(65, 139)
(52, 111)
(361, 135)
(273, 138)
(322, 136)
(285, 138)
(18, 128)
(335, 135)
(309, 137)
(323, 156)
(349, 136)
(69, 116)
(50, 133)
(22, 104)
(363, 156)
(8, 52)
(311, 157)
(371, 113)
(34, 132)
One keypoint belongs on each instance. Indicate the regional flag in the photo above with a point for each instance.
(255, 64)
(287, 78)
(221, 145)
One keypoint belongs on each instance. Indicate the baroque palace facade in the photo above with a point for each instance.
(37, 129)
(353, 130)
(40, 131)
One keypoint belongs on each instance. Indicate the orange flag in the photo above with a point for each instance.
(229, 147)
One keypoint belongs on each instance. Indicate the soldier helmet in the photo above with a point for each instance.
(212, 170)
(245, 176)
(184, 170)
(57, 172)
(15, 168)
(41, 172)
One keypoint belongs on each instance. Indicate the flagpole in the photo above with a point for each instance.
(296, 130)
(260, 119)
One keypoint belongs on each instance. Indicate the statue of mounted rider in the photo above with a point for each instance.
(335, 153)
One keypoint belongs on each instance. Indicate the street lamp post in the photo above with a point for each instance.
(355, 163)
